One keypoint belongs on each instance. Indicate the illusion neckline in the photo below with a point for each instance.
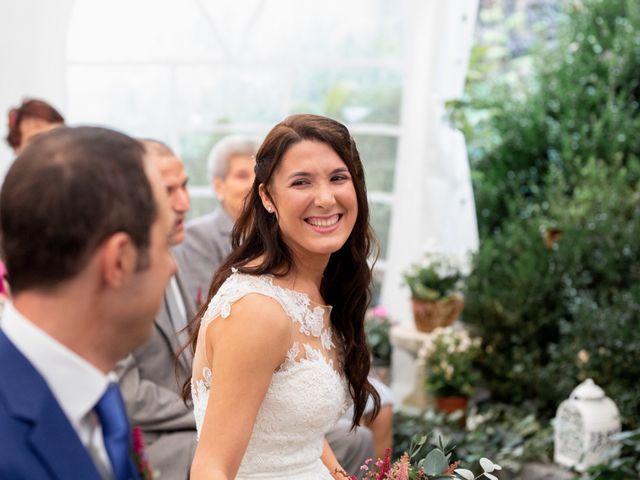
(303, 295)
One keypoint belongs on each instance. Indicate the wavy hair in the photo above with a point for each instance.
(346, 284)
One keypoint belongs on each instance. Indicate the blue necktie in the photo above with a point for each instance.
(116, 432)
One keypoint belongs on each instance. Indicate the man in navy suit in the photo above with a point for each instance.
(85, 234)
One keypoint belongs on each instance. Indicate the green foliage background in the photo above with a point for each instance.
(561, 153)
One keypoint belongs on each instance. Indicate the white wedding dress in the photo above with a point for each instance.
(307, 394)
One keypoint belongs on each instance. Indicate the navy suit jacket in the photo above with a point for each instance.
(38, 442)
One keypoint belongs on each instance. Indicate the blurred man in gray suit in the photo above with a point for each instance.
(208, 241)
(151, 378)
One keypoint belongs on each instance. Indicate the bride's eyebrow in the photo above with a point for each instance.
(307, 174)
(299, 174)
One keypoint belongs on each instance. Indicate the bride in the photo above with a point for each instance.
(280, 353)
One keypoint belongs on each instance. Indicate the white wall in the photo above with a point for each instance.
(33, 43)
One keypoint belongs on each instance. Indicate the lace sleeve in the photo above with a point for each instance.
(233, 289)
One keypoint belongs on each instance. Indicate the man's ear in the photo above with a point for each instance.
(119, 259)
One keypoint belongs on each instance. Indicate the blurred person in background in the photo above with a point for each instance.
(151, 377)
(29, 119)
(230, 166)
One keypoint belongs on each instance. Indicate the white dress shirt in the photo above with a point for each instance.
(75, 383)
(175, 289)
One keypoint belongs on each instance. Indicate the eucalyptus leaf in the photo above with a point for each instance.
(435, 462)
(464, 473)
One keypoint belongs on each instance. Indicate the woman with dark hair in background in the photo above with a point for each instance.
(274, 366)
(29, 119)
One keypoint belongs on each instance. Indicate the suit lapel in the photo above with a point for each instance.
(51, 437)
(62, 451)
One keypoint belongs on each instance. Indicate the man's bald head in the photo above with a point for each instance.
(156, 148)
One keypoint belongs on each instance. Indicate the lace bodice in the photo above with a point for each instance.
(307, 393)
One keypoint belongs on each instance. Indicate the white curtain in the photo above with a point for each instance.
(434, 206)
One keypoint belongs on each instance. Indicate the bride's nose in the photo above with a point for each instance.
(324, 196)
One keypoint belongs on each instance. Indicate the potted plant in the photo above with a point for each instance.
(377, 326)
(435, 284)
(449, 353)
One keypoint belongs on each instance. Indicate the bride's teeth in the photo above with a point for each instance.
(324, 223)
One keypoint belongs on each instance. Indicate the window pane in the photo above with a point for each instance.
(381, 220)
(378, 154)
(194, 149)
(376, 287)
(208, 96)
(313, 31)
(134, 99)
(201, 206)
(351, 95)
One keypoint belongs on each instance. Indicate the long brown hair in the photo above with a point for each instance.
(347, 278)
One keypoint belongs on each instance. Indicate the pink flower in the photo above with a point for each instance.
(139, 457)
(384, 466)
(401, 468)
(379, 311)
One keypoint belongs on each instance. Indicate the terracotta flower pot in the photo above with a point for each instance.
(441, 313)
(451, 403)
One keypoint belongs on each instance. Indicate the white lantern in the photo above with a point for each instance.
(583, 427)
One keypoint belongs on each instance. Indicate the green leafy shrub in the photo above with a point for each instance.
(508, 434)
(557, 276)
(377, 326)
(626, 467)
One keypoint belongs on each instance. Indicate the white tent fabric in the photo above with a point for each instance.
(434, 206)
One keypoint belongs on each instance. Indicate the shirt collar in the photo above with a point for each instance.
(75, 383)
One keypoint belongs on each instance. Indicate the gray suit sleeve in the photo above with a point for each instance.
(152, 407)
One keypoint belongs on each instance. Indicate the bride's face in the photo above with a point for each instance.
(314, 199)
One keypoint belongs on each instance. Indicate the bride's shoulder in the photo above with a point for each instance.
(239, 284)
(250, 294)
(253, 319)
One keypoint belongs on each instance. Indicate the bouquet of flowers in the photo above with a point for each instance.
(449, 353)
(435, 465)
(377, 326)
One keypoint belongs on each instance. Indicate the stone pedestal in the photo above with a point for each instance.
(409, 340)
